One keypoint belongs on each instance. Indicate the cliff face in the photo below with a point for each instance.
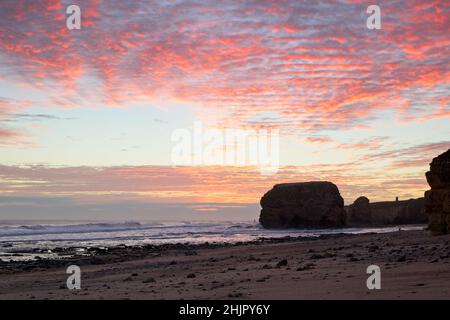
(438, 198)
(387, 213)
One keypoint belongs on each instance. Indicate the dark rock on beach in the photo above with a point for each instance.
(303, 205)
(282, 263)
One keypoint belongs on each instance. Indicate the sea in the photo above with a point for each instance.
(28, 240)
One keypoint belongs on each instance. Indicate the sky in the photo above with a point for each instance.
(87, 116)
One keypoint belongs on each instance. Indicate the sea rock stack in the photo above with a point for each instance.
(316, 204)
(437, 200)
(359, 213)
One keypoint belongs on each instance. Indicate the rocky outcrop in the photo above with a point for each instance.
(359, 213)
(398, 212)
(437, 200)
(303, 205)
(364, 214)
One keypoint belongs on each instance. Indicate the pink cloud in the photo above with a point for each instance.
(316, 62)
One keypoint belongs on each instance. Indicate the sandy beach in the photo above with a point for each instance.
(413, 265)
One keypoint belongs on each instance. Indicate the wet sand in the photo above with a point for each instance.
(413, 265)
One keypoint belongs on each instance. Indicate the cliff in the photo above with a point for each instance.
(410, 211)
(437, 199)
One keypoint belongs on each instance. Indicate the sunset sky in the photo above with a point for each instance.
(86, 116)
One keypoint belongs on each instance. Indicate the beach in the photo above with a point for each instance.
(413, 264)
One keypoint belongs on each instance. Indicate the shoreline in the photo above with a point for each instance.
(57, 249)
(98, 254)
(414, 265)
(103, 255)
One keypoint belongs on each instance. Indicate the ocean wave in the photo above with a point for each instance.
(165, 228)
(61, 229)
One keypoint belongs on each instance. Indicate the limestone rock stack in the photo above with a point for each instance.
(316, 204)
(360, 213)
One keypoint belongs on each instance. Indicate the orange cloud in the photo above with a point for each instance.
(380, 176)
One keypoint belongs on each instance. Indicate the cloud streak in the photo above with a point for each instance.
(164, 184)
